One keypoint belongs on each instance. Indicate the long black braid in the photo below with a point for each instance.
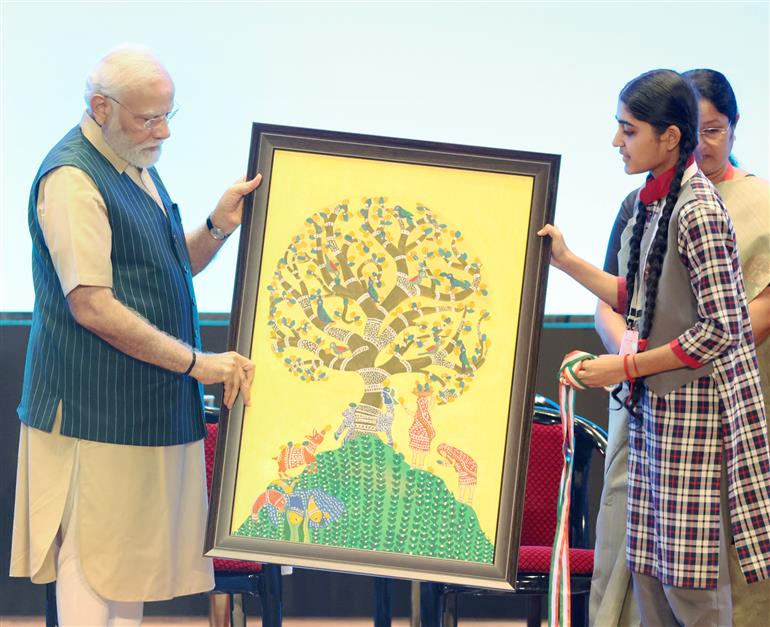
(634, 252)
(654, 268)
(661, 98)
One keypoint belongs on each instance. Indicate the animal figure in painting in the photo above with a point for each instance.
(292, 457)
(304, 509)
(384, 418)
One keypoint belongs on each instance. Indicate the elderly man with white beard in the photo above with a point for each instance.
(111, 492)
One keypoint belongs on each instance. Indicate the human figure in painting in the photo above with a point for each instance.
(111, 486)
(421, 433)
(467, 470)
(697, 425)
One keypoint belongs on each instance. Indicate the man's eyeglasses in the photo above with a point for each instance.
(712, 135)
(147, 123)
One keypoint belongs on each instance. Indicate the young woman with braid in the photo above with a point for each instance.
(696, 417)
(747, 199)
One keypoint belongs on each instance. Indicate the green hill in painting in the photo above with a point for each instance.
(389, 506)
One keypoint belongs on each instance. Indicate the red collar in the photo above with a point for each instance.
(656, 188)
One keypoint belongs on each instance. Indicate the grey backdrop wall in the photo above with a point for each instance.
(306, 593)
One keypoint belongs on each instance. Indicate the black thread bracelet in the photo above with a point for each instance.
(191, 366)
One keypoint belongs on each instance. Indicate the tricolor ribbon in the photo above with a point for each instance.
(559, 597)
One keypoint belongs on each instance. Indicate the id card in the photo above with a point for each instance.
(629, 345)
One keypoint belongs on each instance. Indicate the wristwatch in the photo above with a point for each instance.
(215, 232)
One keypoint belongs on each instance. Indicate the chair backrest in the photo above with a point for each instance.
(210, 446)
(544, 474)
(222, 565)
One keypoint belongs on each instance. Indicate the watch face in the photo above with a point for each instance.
(215, 231)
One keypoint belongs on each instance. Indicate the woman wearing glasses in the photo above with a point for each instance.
(747, 199)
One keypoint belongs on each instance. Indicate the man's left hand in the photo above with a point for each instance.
(603, 371)
(228, 214)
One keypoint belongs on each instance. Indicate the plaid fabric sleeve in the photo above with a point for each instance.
(706, 243)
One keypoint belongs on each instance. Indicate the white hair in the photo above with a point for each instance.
(123, 69)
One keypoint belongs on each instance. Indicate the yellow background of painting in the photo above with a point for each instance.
(492, 211)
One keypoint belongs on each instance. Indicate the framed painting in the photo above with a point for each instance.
(391, 295)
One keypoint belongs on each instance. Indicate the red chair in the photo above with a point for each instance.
(438, 603)
(235, 578)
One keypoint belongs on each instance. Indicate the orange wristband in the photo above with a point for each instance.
(625, 367)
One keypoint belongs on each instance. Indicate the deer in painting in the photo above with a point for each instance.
(293, 456)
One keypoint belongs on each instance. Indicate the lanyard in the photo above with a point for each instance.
(635, 308)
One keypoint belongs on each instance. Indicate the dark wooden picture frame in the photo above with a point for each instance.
(540, 172)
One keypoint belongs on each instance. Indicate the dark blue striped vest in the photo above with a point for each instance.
(106, 395)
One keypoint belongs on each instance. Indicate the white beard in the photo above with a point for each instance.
(140, 155)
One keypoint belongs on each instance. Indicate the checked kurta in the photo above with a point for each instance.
(675, 455)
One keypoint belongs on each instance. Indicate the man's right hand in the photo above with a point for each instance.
(235, 371)
(97, 309)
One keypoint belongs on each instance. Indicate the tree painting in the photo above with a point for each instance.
(390, 296)
(379, 290)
